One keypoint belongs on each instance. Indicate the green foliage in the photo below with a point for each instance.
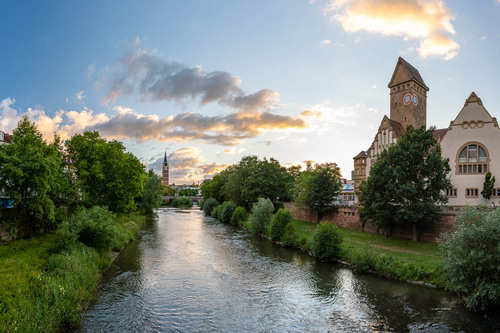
(488, 186)
(31, 174)
(209, 204)
(182, 202)
(326, 242)
(188, 192)
(215, 212)
(168, 191)
(252, 178)
(279, 223)
(262, 213)
(152, 196)
(226, 211)
(406, 183)
(290, 237)
(65, 238)
(239, 217)
(108, 175)
(213, 188)
(95, 227)
(472, 257)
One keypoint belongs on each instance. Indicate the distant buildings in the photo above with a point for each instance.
(5, 138)
(471, 141)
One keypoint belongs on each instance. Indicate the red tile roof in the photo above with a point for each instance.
(361, 154)
(398, 128)
(439, 134)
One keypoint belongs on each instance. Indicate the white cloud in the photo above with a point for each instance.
(484, 37)
(8, 115)
(79, 95)
(325, 42)
(426, 20)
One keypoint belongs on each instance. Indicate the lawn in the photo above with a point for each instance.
(397, 258)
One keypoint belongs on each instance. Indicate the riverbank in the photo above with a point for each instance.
(45, 292)
(395, 258)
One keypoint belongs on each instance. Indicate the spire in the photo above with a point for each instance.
(165, 160)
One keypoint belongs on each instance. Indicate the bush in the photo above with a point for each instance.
(182, 202)
(304, 243)
(96, 227)
(239, 217)
(215, 212)
(326, 242)
(201, 203)
(64, 239)
(209, 205)
(279, 222)
(226, 211)
(472, 257)
(262, 213)
(289, 238)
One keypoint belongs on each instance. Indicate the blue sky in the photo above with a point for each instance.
(213, 81)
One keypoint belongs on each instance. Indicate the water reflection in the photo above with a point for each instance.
(188, 272)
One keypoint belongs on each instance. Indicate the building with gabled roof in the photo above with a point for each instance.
(5, 138)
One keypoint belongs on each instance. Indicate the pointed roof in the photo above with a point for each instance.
(165, 160)
(473, 110)
(439, 134)
(398, 127)
(405, 72)
(361, 154)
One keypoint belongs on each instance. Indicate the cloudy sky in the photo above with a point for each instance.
(212, 81)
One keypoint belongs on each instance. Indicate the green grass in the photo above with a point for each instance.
(395, 258)
(45, 292)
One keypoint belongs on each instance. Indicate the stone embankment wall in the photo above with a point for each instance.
(348, 217)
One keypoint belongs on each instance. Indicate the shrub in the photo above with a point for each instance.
(202, 202)
(182, 202)
(96, 227)
(209, 205)
(262, 213)
(239, 217)
(279, 222)
(326, 242)
(471, 257)
(290, 238)
(304, 243)
(215, 212)
(226, 211)
(64, 239)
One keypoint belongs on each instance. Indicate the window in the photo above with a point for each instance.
(496, 193)
(472, 159)
(471, 192)
(451, 193)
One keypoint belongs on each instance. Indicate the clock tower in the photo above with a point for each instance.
(408, 95)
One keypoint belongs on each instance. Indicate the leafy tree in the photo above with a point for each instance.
(29, 174)
(208, 205)
(290, 237)
(182, 202)
(152, 196)
(109, 176)
(279, 222)
(318, 188)
(326, 242)
(252, 178)
(213, 189)
(262, 213)
(407, 184)
(471, 257)
(168, 191)
(239, 216)
(488, 186)
(226, 211)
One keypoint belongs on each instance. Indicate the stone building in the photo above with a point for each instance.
(470, 142)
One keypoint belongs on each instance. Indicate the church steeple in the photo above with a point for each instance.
(164, 171)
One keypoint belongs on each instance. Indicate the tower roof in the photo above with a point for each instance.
(165, 160)
(405, 72)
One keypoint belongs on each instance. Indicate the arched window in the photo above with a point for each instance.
(472, 159)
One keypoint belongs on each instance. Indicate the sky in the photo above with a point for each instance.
(209, 82)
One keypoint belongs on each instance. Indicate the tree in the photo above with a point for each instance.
(152, 196)
(213, 188)
(279, 222)
(262, 213)
(407, 183)
(29, 171)
(471, 257)
(109, 176)
(488, 186)
(326, 242)
(318, 188)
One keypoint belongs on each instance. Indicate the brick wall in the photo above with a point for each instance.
(347, 217)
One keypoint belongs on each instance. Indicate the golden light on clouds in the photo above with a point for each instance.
(426, 20)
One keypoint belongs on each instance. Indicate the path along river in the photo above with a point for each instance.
(191, 273)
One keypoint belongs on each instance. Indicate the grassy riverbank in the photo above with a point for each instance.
(45, 292)
(390, 257)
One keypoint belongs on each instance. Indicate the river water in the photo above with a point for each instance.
(191, 273)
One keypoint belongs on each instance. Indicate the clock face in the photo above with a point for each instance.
(407, 99)
(415, 99)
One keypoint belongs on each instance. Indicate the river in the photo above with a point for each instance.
(191, 273)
